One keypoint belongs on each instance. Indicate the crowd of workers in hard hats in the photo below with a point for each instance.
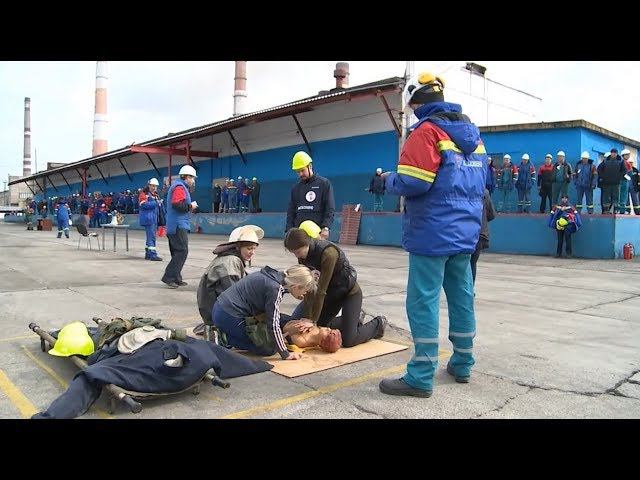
(237, 197)
(616, 176)
(98, 206)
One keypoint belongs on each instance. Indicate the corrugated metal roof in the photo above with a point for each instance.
(223, 125)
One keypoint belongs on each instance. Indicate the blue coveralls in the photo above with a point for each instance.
(526, 179)
(62, 216)
(149, 220)
(585, 181)
(224, 200)
(505, 183)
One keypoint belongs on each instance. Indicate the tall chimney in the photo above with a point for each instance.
(26, 157)
(100, 116)
(341, 74)
(240, 89)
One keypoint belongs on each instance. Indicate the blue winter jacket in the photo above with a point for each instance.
(526, 176)
(570, 214)
(442, 175)
(585, 175)
(149, 211)
(62, 215)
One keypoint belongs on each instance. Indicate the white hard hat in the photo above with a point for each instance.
(188, 170)
(548, 155)
(239, 177)
(585, 154)
(378, 170)
(560, 153)
(525, 156)
(154, 181)
(246, 233)
(423, 82)
(507, 157)
(625, 152)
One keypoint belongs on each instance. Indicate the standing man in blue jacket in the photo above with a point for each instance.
(149, 203)
(526, 180)
(441, 173)
(585, 181)
(179, 206)
(62, 216)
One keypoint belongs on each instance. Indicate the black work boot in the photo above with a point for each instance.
(397, 386)
(171, 284)
(459, 379)
(382, 324)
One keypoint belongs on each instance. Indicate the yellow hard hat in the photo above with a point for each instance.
(300, 160)
(561, 223)
(73, 339)
(311, 228)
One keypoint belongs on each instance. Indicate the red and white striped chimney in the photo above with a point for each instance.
(341, 74)
(100, 116)
(26, 156)
(240, 89)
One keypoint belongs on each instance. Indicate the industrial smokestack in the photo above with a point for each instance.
(100, 116)
(26, 157)
(240, 89)
(341, 74)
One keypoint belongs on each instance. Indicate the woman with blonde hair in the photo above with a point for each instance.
(254, 300)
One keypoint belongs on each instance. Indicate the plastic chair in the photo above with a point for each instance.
(84, 233)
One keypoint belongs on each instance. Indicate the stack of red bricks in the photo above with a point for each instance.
(350, 225)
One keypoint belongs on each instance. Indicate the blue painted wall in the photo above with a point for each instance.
(600, 236)
(348, 162)
(596, 143)
(627, 230)
(529, 234)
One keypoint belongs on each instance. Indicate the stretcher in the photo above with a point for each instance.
(118, 394)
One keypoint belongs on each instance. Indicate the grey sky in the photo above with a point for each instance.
(150, 99)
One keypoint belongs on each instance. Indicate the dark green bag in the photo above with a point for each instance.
(256, 329)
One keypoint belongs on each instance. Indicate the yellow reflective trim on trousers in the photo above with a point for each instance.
(417, 173)
(449, 145)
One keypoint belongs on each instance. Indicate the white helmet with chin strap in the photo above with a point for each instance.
(420, 86)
